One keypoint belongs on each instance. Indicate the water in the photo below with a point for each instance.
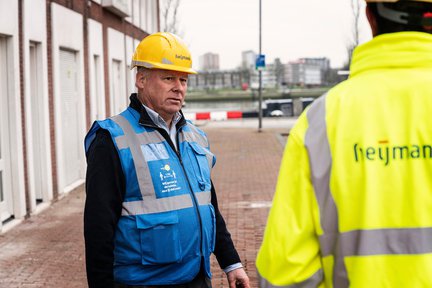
(213, 106)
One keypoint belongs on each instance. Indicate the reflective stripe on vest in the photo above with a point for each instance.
(312, 281)
(195, 136)
(151, 204)
(357, 242)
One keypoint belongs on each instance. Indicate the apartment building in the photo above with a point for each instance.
(306, 71)
(63, 64)
(209, 62)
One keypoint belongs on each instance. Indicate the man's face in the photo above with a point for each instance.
(163, 91)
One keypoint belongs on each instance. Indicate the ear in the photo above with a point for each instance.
(140, 79)
(372, 21)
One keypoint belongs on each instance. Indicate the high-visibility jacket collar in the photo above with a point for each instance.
(395, 50)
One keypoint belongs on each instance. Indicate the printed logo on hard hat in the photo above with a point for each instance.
(386, 153)
(182, 57)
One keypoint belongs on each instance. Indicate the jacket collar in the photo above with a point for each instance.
(145, 118)
(401, 50)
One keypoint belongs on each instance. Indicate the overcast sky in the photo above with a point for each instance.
(290, 29)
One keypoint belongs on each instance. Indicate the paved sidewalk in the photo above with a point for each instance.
(47, 249)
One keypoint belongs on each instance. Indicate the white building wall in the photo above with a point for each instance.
(35, 31)
(143, 14)
(136, 13)
(130, 74)
(130, 17)
(9, 29)
(116, 51)
(67, 33)
(97, 87)
(268, 78)
(148, 15)
(151, 16)
(248, 60)
(312, 75)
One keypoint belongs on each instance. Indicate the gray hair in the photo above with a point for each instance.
(141, 69)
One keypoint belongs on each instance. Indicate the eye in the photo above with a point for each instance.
(183, 80)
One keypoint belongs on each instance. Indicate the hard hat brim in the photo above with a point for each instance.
(154, 65)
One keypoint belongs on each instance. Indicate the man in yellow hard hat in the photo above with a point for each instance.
(151, 216)
(353, 202)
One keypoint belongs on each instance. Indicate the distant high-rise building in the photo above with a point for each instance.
(323, 63)
(306, 71)
(209, 62)
(248, 60)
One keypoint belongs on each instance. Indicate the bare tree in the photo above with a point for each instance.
(355, 7)
(169, 16)
(355, 40)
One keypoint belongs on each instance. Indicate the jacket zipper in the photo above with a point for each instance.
(192, 194)
(177, 152)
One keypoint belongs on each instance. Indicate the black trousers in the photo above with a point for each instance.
(200, 281)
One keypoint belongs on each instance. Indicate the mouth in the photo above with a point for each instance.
(175, 100)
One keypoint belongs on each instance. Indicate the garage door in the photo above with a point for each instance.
(70, 135)
(117, 101)
(6, 195)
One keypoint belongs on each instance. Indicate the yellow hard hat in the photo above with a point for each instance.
(163, 50)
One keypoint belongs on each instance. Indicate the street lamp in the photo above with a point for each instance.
(260, 112)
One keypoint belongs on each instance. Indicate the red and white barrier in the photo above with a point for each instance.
(216, 115)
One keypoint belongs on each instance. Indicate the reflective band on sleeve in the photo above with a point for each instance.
(311, 282)
(318, 148)
(317, 145)
(386, 242)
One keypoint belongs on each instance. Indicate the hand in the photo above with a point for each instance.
(238, 279)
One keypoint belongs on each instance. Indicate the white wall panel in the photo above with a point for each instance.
(35, 20)
(37, 117)
(136, 13)
(130, 17)
(130, 74)
(116, 54)
(67, 34)
(96, 70)
(9, 17)
(9, 29)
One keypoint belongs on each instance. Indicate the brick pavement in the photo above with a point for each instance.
(47, 249)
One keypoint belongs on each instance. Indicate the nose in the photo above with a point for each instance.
(179, 86)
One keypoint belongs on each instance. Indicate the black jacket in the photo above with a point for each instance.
(105, 189)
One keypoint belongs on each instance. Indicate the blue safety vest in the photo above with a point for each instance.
(168, 222)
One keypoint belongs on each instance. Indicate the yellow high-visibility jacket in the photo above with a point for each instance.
(353, 203)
